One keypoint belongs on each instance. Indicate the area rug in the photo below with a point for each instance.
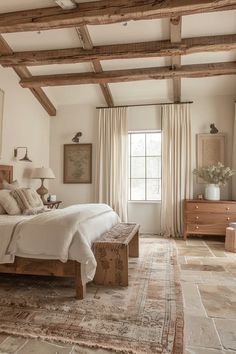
(146, 317)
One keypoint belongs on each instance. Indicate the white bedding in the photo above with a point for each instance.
(60, 234)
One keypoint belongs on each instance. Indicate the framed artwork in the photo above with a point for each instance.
(1, 119)
(210, 150)
(77, 163)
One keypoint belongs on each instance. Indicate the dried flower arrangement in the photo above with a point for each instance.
(215, 174)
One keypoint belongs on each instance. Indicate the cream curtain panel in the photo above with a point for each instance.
(112, 160)
(176, 167)
(234, 157)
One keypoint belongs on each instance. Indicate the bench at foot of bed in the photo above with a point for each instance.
(30, 266)
(112, 251)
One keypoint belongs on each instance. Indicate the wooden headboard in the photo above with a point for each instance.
(6, 173)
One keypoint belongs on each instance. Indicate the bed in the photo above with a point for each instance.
(27, 261)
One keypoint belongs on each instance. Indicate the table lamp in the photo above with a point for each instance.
(43, 173)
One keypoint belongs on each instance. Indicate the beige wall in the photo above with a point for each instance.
(74, 118)
(25, 123)
(70, 120)
(218, 110)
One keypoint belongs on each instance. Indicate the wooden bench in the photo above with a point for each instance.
(112, 251)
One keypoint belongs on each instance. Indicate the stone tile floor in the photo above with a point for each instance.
(208, 278)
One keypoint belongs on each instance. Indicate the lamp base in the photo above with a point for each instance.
(42, 191)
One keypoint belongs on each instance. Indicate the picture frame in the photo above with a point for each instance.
(77, 163)
(210, 150)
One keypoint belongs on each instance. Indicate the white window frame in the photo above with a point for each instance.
(145, 132)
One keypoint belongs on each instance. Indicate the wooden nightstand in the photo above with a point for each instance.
(53, 205)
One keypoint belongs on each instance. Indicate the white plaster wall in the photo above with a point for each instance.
(218, 110)
(25, 123)
(74, 118)
(70, 120)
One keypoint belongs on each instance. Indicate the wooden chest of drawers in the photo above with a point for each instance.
(206, 217)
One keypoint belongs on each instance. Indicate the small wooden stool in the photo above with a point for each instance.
(230, 239)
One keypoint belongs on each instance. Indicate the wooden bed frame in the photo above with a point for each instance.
(32, 266)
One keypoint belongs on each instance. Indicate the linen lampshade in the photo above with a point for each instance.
(42, 173)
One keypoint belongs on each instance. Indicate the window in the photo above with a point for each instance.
(144, 166)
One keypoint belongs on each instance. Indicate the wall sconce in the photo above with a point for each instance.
(25, 158)
(77, 137)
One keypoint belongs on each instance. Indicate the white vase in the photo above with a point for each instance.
(212, 192)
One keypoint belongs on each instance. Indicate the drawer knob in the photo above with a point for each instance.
(228, 219)
(228, 208)
(196, 207)
(197, 217)
(196, 227)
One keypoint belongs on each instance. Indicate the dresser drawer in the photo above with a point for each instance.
(215, 229)
(211, 218)
(211, 207)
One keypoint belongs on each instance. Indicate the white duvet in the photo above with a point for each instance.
(59, 234)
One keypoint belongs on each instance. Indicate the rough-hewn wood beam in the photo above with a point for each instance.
(187, 71)
(106, 11)
(24, 73)
(88, 45)
(120, 51)
(175, 37)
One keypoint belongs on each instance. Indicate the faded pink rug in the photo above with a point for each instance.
(146, 317)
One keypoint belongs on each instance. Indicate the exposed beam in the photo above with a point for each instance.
(120, 51)
(186, 71)
(106, 11)
(88, 45)
(24, 73)
(175, 37)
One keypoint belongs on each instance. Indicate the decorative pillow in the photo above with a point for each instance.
(10, 186)
(27, 199)
(35, 211)
(9, 203)
(2, 210)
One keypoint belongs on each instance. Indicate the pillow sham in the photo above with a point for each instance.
(2, 210)
(9, 203)
(27, 199)
(10, 186)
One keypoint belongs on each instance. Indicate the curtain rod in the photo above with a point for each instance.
(145, 104)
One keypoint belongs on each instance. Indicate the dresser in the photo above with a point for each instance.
(204, 217)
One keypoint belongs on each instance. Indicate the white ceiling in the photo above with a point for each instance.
(134, 31)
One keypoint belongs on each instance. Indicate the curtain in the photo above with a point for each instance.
(112, 160)
(1, 120)
(234, 157)
(176, 167)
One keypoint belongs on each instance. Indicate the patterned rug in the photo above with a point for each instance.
(146, 317)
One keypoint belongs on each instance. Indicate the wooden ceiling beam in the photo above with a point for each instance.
(105, 12)
(120, 51)
(175, 37)
(159, 73)
(24, 73)
(87, 44)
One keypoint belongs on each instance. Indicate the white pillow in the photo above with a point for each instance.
(9, 203)
(10, 186)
